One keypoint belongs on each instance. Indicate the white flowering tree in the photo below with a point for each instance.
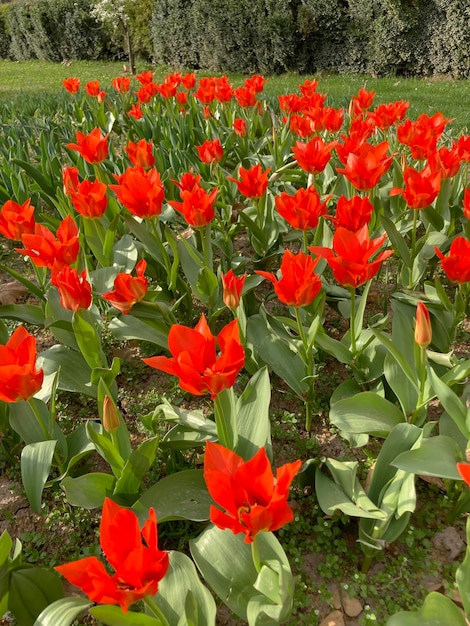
(114, 14)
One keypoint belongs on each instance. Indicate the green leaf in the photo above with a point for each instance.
(226, 563)
(85, 328)
(36, 460)
(113, 616)
(436, 456)
(276, 352)
(74, 374)
(182, 495)
(105, 447)
(450, 401)
(89, 490)
(136, 466)
(253, 423)
(366, 412)
(437, 610)
(31, 591)
(462, 575)
(333, 347)
(399, 358)
(27, 313)
(397, 240)
(180, 583)
(130, 327)
(62, 612)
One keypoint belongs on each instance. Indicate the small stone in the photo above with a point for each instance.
(351, 606)
(432, 583)
(336, 600)
(456, 597)
(449, 543)
(335, 618)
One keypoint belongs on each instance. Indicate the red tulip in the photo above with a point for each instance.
(298, 285)
(19, 379)
(466, 203)
(145, 78)
(189, 80)
(140, 153)
(93, 147)
(421, 188)
(350, 256)
(365, 167)
(446, 161)
(74, 289)
(223, 90)
(205, 91)
(233, 287)
(128, 289)
(72, 85)
(132, 553)
(352, 213)
(239, 127)
(456, 264)
(313, 156)
(16, 219)
(197, 206)
(189, 181)
(250, 498)
(245, 96)
(93, 88)
(195, 360)
(135, 111)
(121, 84)
(385, 115)
(46, 250)
(464, 471)
(423, 328)
(70, 179)
(210, 151)
(255, 82)
(140, 191)
(253, 183)
(302, 210)
(90, 199)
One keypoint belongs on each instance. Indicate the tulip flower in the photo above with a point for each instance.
(89, 199)
(352, 213)
(72, 85)
(464, 471)
(140, 191)
(145, 78)
(46, 250)
(239, 127)
(92, 147)
(245, 96)
(223, 90)
(140, 153)
(313, 156)
(189, 181)
(466, 203)
(298, 285)
(446, 161)
(350, 255)
(385, 115)
(110, 415)
(456, 264)
(74, 289)
(302, 210)
(205, 91)
(93, 88)
(232, 289)
(132, 553)
(249, 498)
(128, 289)
(197, 206)
(16, 219)
(421, 188)
(121, 84)
(135, 111)
(70, 179)
(423, 328)
(195, 360)
(19, 379)
(366, 165)
(210, 151)
(253, 183)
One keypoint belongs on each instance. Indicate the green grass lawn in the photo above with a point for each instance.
(451, 97)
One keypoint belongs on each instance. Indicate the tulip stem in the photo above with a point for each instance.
(206, 243)
(422, 382)
(305, 241)
(47, 435)
(352, 322)
(156, 610)
(309, 362)
(413, 246)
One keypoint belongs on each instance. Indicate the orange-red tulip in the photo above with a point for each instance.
(132, 553)
(16, 219)
(93, 147)
(303, 209)
(128, 289)
(466, 203)
(19, 379)
(313, 156)
(195, 360)
(239, 127)
(233, 287)
(464, 471)
(349, 258)
(456, 264)
(197, 206)
(421, 188)
(135, 111)
(74, 289)
(423, 328)
(250, 498)
(121, 84)
(90, 199)
(140, 153)
(72, 85)
(140, 191)
(298, 285)
(254, 181)
(46, 250)
(352, 213)
(366, 166)
(210, 151)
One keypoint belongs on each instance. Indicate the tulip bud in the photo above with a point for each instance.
(423, 328)
(110, 415)
(232, 289)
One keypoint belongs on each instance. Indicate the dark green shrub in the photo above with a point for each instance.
(140, 17)
(172, 34)
(4, 37)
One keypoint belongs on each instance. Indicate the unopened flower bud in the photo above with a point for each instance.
(423, 328)
(232, 289)
(110, 415)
